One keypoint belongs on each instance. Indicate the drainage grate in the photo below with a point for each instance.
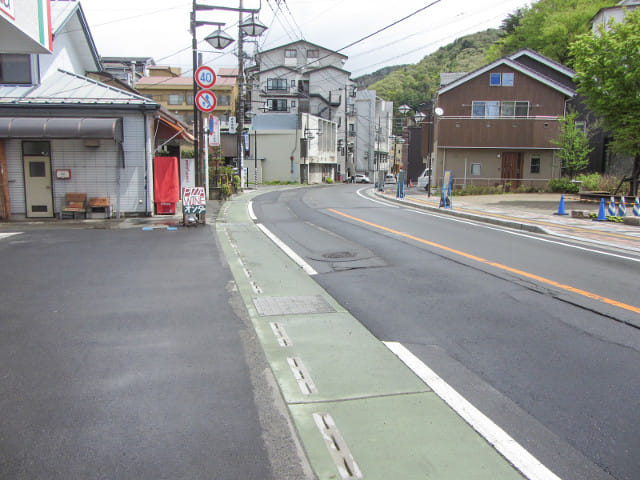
(268, 306)
(307, 387)
(338, 449)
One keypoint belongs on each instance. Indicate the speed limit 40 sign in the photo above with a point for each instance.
(205, 77)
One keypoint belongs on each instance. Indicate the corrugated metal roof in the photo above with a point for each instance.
(60, 12)
(68, 88)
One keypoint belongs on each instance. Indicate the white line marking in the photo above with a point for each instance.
(359, 192)
(520, 458)
(250, 209)
(287, 250)
(478, 223)
(525, 235)
(9, 234)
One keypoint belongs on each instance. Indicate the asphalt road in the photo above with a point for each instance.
(126, 354)
(538, 333)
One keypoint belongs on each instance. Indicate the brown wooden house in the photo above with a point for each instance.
(496, 124)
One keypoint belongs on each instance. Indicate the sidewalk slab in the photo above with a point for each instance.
(387, 421)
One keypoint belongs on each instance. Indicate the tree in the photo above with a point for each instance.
(548, 27)
(574, 145)
(608, 75)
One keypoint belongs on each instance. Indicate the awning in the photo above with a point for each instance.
(61, 127)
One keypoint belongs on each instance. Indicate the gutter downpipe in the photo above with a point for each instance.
(147, 161)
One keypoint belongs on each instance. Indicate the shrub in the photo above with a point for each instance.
(329, 180)
(590, 182)
(477, 190)
(225, 191)
(237, 182)
(562, 185)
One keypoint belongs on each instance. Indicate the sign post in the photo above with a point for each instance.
(194, 202)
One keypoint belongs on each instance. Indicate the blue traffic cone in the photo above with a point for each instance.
(602, 216)
(622, 208)
(612, 207)
(561, 207)
(636, 207)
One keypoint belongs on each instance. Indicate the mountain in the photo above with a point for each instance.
(416, 84)
(365, 80)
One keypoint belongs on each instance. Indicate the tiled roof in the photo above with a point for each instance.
(70, 89)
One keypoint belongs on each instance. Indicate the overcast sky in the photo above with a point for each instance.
(160, 28)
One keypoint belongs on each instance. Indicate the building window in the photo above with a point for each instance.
(495, 109)
(501, 79)
(175, 99)
(224, 100)
(315, 53)
(507, 79)
(277, 105)
(476, 169)
(190, 99)
(15, 69)
(293, 104)
(276, 84)
(514, 109)
(485, 109)
(290, 53)
(293, 84)
(535, 164)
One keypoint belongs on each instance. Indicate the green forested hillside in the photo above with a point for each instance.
(416, 84)
(548, 27)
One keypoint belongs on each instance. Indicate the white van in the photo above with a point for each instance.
(423, 179)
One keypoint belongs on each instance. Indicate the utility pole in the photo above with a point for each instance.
(196, 112)
(240, 104)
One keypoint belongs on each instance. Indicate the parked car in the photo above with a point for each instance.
(389, 178)
(361, 178)
(423, 179)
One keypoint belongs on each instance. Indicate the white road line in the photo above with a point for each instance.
(525, 235)
(520, 458)
(8, 234)
(359, 192)
(287, 250)
(506, 230)
(251, 214)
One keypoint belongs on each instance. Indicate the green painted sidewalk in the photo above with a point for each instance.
(359, 411)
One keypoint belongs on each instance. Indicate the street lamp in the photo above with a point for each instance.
(220, 40)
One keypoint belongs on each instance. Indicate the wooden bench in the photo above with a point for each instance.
(100, 205)
(74, 203)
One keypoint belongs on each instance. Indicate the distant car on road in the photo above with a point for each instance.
(423, 179)
(390, 178)
(361, 178)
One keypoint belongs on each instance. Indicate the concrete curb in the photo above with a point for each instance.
(468, 216)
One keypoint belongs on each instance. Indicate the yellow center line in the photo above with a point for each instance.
(537, 222)
(506, 268)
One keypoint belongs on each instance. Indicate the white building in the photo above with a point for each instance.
(304, 78)
(291, 148)
(373, 129)
(617, 13)
(62, 132)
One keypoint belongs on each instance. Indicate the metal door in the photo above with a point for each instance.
(37, 179)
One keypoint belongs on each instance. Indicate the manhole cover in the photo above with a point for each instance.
(267, 306)
(335, 255)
